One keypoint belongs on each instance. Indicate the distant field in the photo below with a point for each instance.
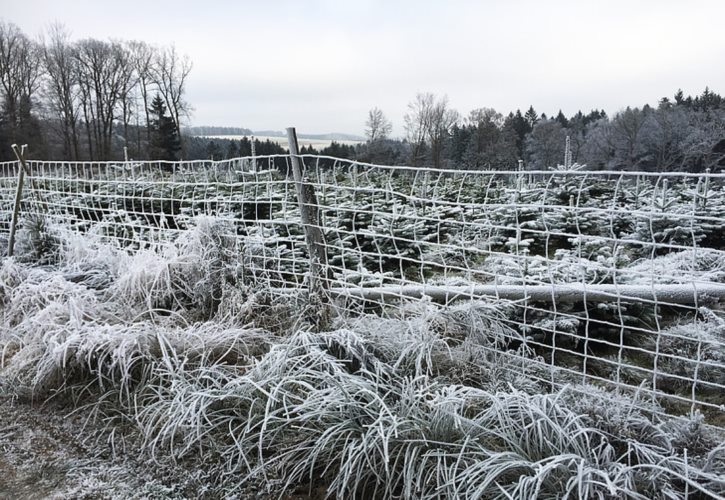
(282, 141)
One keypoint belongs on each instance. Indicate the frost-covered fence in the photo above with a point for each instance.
(8, 177)
(612, 278)
(145, 204)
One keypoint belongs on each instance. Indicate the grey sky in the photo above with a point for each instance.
(321, 65)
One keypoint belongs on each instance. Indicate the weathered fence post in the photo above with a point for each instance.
(311, 222)
(254, 155)
(20, 154)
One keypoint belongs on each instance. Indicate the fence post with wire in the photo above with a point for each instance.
(22, 168)
(319, 283)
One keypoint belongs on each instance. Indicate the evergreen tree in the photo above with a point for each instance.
(521, 126)
(679, 97)
(339, 151)
(245, 147)
(531, 117)
(233, 149)
(562, 119)
(165, 143)
(213, 151)
(460, 137)
(708, 100)
(594, 116)
(545, 144)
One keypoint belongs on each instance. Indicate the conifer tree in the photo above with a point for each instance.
(165, 144)
(531, 117)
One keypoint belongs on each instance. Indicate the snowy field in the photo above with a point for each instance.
(318, 144)
(167, 310)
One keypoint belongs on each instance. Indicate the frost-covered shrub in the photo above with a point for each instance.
(467, 343)
(187, 275)
(207, 260)
(701, 265)
(267, 260)
(243, 305)
(61, 347)
(45, 299)
(144, 282)
(37, 241)
(687, 352)
(12, 274)
(89, 259)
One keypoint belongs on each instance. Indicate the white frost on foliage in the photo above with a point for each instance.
(702, 265)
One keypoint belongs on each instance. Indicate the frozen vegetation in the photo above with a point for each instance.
(180, 356)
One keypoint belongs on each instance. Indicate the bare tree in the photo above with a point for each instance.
(418, 124)
(705, 130)
(377, 126)
(128, 81)
(599, 145)
(663, 134)
(626, 127)
(102, 76)
(171, 72)
(143, 57)
(428, 123)
(61, 88)
(442, 120)
(20, 72)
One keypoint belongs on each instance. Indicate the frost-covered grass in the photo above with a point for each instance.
(207, 367)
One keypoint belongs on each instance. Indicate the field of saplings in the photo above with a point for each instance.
(168, 309)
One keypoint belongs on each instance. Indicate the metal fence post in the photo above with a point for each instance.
(311, 221)
(20, 154)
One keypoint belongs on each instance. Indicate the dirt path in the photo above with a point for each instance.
(44, 454)
(47, 454)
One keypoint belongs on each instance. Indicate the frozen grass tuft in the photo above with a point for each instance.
(323, 409)
(432, 403)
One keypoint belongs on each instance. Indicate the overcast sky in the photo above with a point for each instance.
(320, 65)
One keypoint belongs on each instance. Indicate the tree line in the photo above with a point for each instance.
(108, 99)
(223, 148)
(89, 99)
(682, 133)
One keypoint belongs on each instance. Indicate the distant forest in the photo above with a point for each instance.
(213, 130)
(682, 133)
(106, 100)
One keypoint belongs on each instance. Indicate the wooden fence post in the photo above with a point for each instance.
(20, 154)
(254, 154)
(312, 223)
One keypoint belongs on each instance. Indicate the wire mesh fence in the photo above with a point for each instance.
(610, 278)
(8, 185)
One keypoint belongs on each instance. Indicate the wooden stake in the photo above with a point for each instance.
(20, 154)
(314, 238)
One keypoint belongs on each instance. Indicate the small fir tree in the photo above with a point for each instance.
(165, 143)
